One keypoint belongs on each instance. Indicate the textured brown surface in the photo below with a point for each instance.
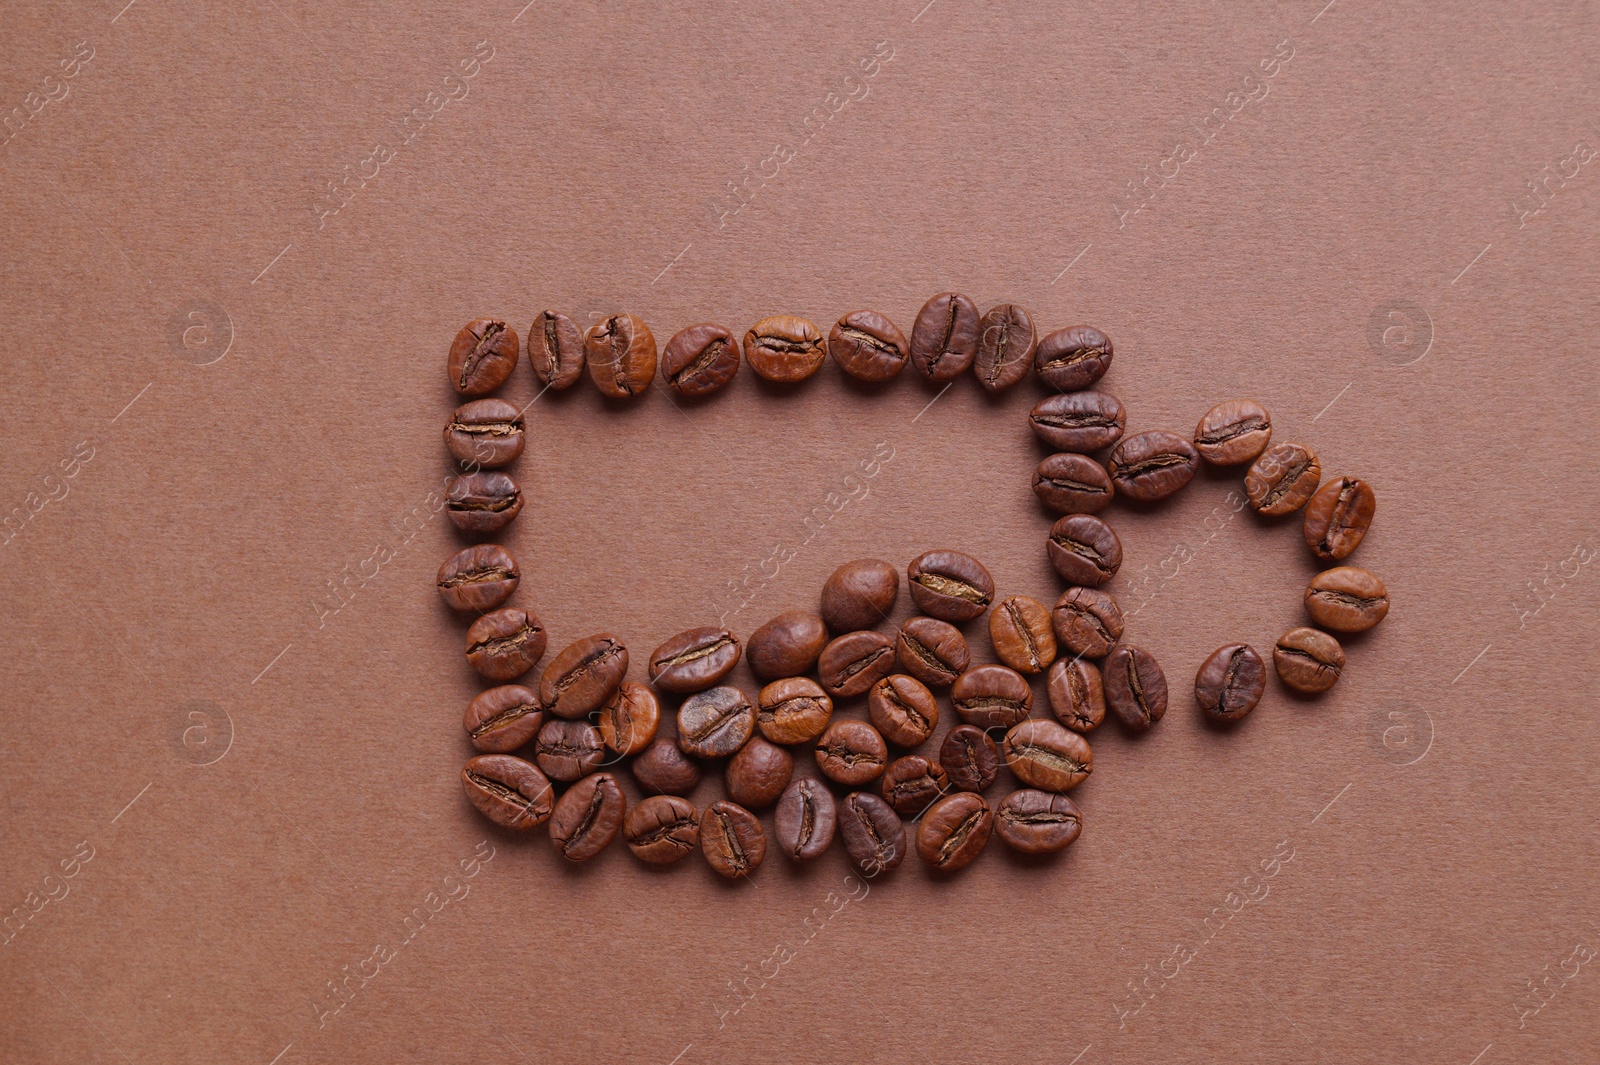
(1439, 804)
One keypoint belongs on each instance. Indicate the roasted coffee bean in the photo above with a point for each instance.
(805, 820)
(913, 783)
(1078, 421)
(1088, 622)
(970, 758)
(582, 677)
(1136, 689)
(1021, 632)
(694, 660)
(715, 723)
(1044, 755)
(699, 360)
(629, 719)
(1005, 347)
(485, 433)
(992, 697)
(1084, 550)
(661, 829)
(503, 718)
(867, 346)
(480, 503)
(1234, 431)
(482, 356)
(1230, 682)
(851, 753)
(903, 709)
(1069, 483)
(793, 710)
(1282, 479)
(665, 770)
(1037, 822)
(732, 839)
(944, 338)
(1308, 660)
(854, 662)
(758, 773)
(874, 837)
(555, 350)
(478, 578)
(1152, 465)
(786, 646)
(505, 644)
(508, 791)
(954, 831)
(1077, 694)
(621, 353)
(587, 817)
(949, 585)
(567, 750)
(933, 651)
(1072, 358)
(1346, 599)
(784, 349)
(1337, 518)
(860, 595)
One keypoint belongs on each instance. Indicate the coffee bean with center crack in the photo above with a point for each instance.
(661, 829)
(933, 651)
(874, 836)
(1307, 660)
(567, 750)
(954, 831)
(1152, 465)
(1020, 630)
(485, 433)
(851, 753)
(1087, 621)
(715, 723)
(508, 791)
(992, 697)
(1234, 431)
(783, 348)
(621, 355)
(854, 662)
(1230, 682)
(582, 677)
(694, 660)
(1078, 421)
(805, 820)
(903, 709)
(1045, 755)
(478, 578)
(1346, 599)
(587, 817)
(482, 356)
(1006, 341)
(1069, 483)
(1338, 517)
(793, 710)
(868, 346)
(950, 585)
(732, 839)
(1136, 689)
(1037, 822)
(699, 359)
(479, 503)
(1084, 550)
(944, 338)
(1073, 358)
(913, 783)
(505, 644)
(629, 719)
(555, 350)
(1077, 694)
(970, 758)
(1282, 479)
(503, 718)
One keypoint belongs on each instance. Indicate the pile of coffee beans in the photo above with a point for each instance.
(545, 746)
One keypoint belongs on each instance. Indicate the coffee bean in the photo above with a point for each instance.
(587, 817)
(851, 753)
(1037, 822)
(1230, 682)
(1084, 550)
(805, 820)
(793, 710)
(1045, 755)
(699, 359)
(758, 773)
(970, 758)
(661, 829)
(508, 791)
(480, 503)
(1337, 518)
(732, 839)
(1307, 660)
(949, 585)
(1088, 622)
(478, 578)
(1021, 634)
(694, 660)
(621, 353)
(867, 346)
(555, 350)
(1078, 421)
(715, 723)
(1077, 694)
(903, 709)
(485, 433)
(784, 349)
(933, 651)
(1005, 347)
(860, 595)
(1136, 689)
(568, 750)
(1346, 599)
(913, 783)
(992, 697)
(1072, 358)
(482, 356)
(503, 718)
(665, 770)
(1234, 431)
(1152, 465)
(1069, 483)
(874, 837)
(944, 338)
(1282, 479)
(629, 719)
(954, 831)
(854, 662)
(505, 644)
(582, 677)
(786, 646)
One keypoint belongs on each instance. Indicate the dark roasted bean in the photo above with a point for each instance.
(854, 662)
(1021, 634)
(992, 697)
(944, 338)
(621, 354)
(582, 677)
(1069, 483)
(933, 651)
(1234, 431)
(732, 839)
(805, 820)
(629, 719)
(851, 753)
(1037, 822)
(1152, 465)
(949, 585)
(715, 723)
(867, 346)
(1078, 421)
(954, 831)
(508, 791)
(1044, 755)
(758, 773)
(903, 709)
(783, 348)
(1088, 622)
(1230, 682)
(1077, 694)
(874, 836)
(485, 433)
(1307, 660)
(860, 595)
(694, 660)
(793, 710)
(1346, 599)
(1282, 479)
(1338, 517)
(505, 644)
(479, 503)
(665, 770)
(970, 758)
(587, 817)
(567, 750)
(1005, 347)
(1136, 689)
(480, 577)
(482, 356)
(1084, 550)
(502, 719)
(1072, 358)
(661, 829)
(911, 784)
(699, 359)
(786, 646)
(555, 350)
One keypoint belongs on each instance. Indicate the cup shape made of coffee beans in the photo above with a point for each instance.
(1152, 465)
(482, 502)
(854, 662)
(784, 349)
(478, 578)
(954, 831)
(555, 350)
(1078, 421)
(630, 718)
(787, 646)
(1044, 755)
(1031, 821)
(932, 651)
(1069, 483)
(757, 774)
(506, 643)
(1077, 694)
(851, 753)
(913, 783)
(1307, 660)
(582, 677)
(1233, 432)
(1020, 631)
(699, 359)
(1230, 682)
(1087, 621)
(1006, 340)
(482, 356)
(969, 758)
(793, 710)
(1282, 479)
(663, 769)
(715, 723)
(903, 709)
(661, 829)
(588, 817)
(1135, 686)
(1346, 599)
(868, 346)
(621, 354)
(992, 696)
(567, 750)
(874, 835)
(1072, 358)
(732, 839)
(485, 433)
(1084, 550)
(694, 660)
(950, 585)
(502, 718)
(944, 338)
(508, 791)
(1337, 518)
(805, 820)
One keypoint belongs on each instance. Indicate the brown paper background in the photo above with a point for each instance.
(1439, 804)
